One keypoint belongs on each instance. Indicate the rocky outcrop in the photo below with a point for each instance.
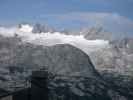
(39, 28)
(96, 33)
(67, 60)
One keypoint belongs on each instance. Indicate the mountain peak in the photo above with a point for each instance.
(25, 28)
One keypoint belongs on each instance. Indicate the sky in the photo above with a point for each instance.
(113, 15)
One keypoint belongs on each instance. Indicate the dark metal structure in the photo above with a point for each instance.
(39, 89)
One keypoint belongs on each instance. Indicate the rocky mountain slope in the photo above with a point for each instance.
(79, 74)
(21, 50)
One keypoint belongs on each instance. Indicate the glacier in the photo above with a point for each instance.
(49, 39)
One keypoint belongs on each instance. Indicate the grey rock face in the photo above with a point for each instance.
(59, 59)
(117, 58)
(38, 28)
(124, 44)
(96, 33)
(67, 60)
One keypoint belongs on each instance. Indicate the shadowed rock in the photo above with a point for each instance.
(67, 60)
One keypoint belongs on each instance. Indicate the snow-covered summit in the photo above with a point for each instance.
(25, 28)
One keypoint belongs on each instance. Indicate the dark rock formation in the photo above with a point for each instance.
(67, 60)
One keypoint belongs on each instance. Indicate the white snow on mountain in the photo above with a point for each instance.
(49, 39)
(26, 28)
(11, 31)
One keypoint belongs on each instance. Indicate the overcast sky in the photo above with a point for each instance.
(113, 15)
